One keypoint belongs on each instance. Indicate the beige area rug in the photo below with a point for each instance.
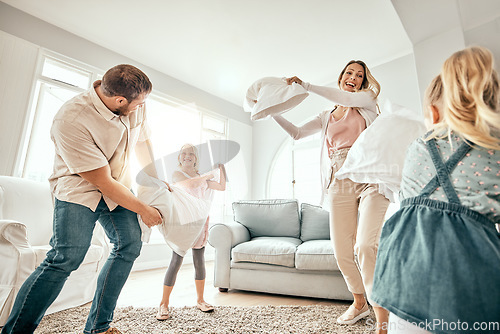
(225, 319)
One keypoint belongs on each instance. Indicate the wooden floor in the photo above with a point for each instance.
(144, 289)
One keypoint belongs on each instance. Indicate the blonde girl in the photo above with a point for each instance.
(439, 255)
(189, 178)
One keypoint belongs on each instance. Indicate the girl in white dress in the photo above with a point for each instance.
(199, 186)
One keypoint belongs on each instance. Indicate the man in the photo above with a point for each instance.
(94, 134)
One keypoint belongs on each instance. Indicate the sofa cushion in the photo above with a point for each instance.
(315, 223)
(270, 250)
(315, 255)
(269, 218)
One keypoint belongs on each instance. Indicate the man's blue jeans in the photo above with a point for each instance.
(73, 226)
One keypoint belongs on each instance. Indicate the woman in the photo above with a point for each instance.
(189, 178)
(439, 259)
(355, 110)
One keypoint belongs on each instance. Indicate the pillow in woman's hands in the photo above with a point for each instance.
(272, 96)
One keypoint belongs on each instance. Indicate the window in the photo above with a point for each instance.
(295, 171)
(174, 124)
(56, 82)
(214, 128)
(68, 74)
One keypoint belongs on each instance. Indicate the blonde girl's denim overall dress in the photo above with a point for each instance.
(438, 263)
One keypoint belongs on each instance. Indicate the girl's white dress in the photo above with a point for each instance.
(184, 215)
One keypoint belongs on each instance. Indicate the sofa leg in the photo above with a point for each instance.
(223, 289)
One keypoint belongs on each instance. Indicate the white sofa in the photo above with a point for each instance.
(272, 247)
(26, 209)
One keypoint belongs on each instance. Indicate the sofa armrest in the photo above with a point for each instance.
(18, 261)
(228, 235)
(16, 254)
(223, 237)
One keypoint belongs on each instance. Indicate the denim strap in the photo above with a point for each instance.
(443, 170)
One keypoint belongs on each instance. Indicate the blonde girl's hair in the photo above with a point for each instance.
(369, 81)
(195, 150)
(434, 93)
(471, 97)
(434, 97)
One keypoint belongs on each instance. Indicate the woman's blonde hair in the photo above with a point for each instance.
(471, 97)
(195, 151)
(369, 81)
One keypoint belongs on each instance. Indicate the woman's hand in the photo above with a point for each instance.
(291, 80)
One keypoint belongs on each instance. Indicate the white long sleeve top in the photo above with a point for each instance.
(364, 101)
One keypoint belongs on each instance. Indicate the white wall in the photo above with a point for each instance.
(434, 28)
(239, 184)
(17, 67)
(399, 84)
(487, 35)
(439, 28)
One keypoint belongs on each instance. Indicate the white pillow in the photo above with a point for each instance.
(378, 155)
(272, 96)
(184, 215)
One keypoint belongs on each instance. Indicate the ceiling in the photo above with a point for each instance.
(223, 46)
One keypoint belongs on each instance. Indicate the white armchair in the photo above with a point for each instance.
(26, 209)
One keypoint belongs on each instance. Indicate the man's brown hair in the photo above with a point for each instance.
(127, 81)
